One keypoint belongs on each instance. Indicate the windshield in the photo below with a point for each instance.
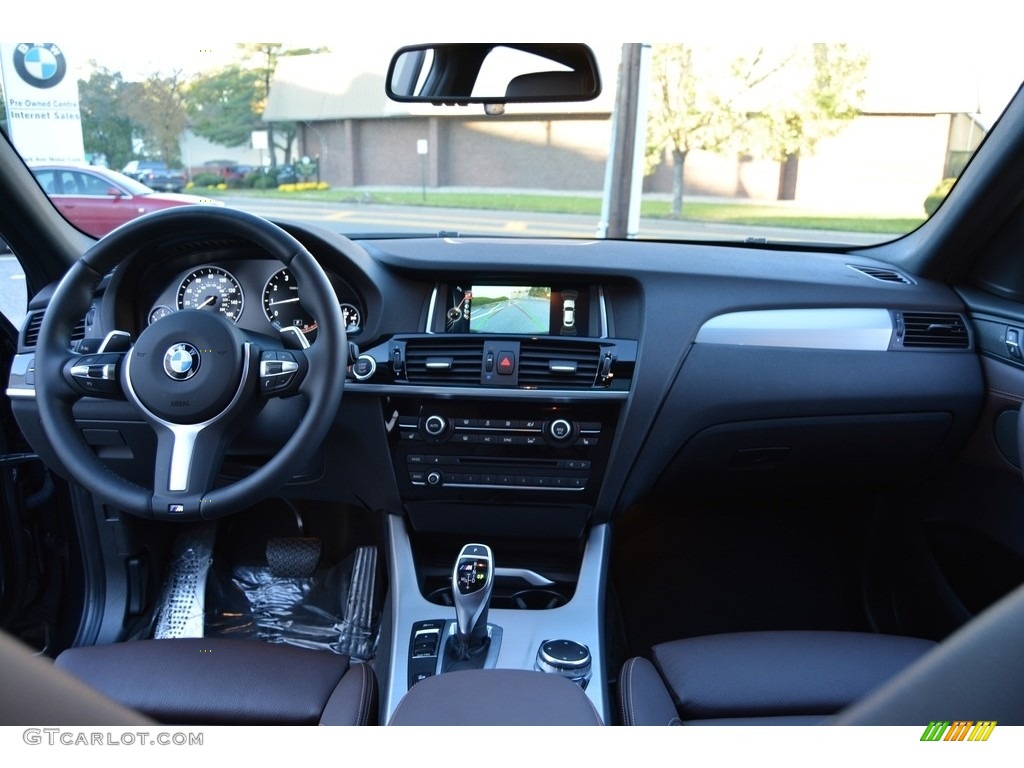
(824, 143)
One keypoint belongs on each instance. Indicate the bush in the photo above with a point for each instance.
(263, 181)
(206, 179)
(934, 200)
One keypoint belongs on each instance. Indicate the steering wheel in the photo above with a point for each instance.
(193, 376)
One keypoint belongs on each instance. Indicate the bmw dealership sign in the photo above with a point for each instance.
(43, 117)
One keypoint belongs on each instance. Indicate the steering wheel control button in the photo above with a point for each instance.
(96, 375)
(278, 369)
(181, 361)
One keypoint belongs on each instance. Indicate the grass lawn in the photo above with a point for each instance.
(723, 213)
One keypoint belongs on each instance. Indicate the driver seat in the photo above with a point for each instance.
(210, 681)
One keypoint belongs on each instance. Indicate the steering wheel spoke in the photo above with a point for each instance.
(188, 459)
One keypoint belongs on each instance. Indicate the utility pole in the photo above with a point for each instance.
(620, 209)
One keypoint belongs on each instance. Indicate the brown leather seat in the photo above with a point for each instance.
(228, 682)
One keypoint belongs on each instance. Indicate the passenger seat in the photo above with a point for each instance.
(760, 678)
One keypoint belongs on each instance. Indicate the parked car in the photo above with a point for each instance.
(773, 475)
(97, 200)
(156, 175)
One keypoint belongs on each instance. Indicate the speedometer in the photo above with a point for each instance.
(213, 289)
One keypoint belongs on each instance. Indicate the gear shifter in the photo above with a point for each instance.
(472, 581)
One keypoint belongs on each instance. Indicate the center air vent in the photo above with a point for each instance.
(556, 365)
(456, 362)
(932, 330)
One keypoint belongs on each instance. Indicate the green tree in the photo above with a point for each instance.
(774, 103)
(696, 104)
(226, 106)
(156, 107)
(819, 103)
(106, 130)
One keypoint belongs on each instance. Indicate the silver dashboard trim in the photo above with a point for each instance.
(604, 312)
(430, 309)
(865, 330)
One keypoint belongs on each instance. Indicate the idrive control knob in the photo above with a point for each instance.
(567, 658)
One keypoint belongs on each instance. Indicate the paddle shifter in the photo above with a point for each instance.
(472, 581)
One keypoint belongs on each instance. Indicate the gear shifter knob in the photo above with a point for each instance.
(472, 581)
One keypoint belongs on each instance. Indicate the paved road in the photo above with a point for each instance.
(530, 315)
(350, 218)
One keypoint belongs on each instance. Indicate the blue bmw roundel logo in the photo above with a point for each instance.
(40, 64)
(181, 361)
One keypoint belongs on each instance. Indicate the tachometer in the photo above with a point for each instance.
(282, 306)
(213, 289)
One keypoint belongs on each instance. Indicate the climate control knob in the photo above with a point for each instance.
(435, 426)
(561, 430)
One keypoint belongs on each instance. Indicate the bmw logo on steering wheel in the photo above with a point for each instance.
(181, 361)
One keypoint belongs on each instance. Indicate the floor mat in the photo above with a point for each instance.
(334, 609)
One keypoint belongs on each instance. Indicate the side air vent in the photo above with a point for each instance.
(932, 330)
(885, 275)
(554, 365)
(457, 362)
(35, 322)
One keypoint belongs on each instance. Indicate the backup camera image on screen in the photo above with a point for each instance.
(508, 309)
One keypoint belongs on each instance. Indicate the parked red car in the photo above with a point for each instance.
(98, 200)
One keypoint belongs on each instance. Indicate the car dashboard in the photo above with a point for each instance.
(531, 391)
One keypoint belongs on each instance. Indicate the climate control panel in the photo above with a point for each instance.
(441, 449)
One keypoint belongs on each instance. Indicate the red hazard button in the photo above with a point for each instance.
(506, 363)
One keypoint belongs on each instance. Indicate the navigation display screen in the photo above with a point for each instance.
(524, 310)
(500, 309)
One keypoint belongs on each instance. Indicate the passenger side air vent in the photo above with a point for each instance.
(30, 334)
(885, 275)
(457, 362)
(557, 365)
(932, 330)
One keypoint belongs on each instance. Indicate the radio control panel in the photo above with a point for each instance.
(507, 450)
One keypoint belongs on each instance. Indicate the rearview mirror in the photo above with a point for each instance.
(493, 73)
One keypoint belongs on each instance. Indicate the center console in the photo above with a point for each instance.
(500, 421)
(563, 641)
